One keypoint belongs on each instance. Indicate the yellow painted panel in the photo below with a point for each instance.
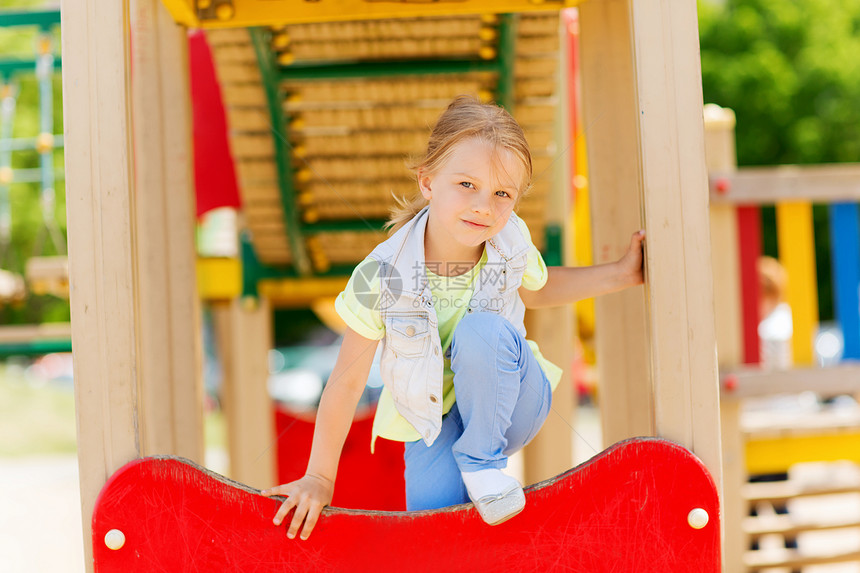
(774, 455)
(182, 11)
(219, 278)
(797, 255)
(241, 13)
(293, 293)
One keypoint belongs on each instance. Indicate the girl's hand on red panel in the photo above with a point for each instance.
(308, 496)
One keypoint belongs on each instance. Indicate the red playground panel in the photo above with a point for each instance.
(629, 509)
(364, 480)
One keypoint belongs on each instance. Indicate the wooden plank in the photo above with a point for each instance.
(727, 264)
(792, 558)
(610, 128)
(675, 205)
(13, 334)
(831, 381)
(550, 453)
(720, 154)
(102, 265)
(781, 491)
(750, 250)
(778, 454)
(171, 387)
(244, 334)
(265, 13)
(735, 476)
(789, 525)
(768, 185)
(597, 517)
(845, 262)
(796, 240)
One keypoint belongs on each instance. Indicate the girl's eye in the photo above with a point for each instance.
(467, 185)
(503, 193)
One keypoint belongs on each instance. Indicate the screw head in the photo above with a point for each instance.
(114, 539)
(698, 518)
(730, 382)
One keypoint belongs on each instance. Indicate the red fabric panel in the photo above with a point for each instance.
(214, 173)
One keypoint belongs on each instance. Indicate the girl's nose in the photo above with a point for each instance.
(481, 204)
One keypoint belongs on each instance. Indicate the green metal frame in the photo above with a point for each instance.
(505, 61)
(35, 348)
(9, 66)
(343, 71)
(45, 19)
(271, 82)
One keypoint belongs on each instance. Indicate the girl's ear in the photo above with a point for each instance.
(424, 182)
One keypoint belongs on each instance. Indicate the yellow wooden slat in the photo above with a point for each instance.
(237, 13)
(777, 454)
(797, 255)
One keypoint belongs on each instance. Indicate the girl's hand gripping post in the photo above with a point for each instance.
(630, 265)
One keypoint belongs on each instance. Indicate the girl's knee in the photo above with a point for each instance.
(480, 326)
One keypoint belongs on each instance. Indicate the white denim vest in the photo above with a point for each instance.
(412, 362)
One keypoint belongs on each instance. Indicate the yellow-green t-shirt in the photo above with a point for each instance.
(451, 296)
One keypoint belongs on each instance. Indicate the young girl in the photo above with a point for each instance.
(446, 294)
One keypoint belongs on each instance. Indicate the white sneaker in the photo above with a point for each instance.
(496, 496)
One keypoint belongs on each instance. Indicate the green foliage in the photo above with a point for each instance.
(789, 69)
(28, 230)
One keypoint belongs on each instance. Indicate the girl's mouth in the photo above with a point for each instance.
(475, 225)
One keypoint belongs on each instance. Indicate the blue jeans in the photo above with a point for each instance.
(503, 398)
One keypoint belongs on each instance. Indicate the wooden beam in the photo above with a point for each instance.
(245, 13)
(103, 269)
(171, 389)
(28, 333)
(754, 382)
(768, 185)
(244, 333)
(673, 181)
(609, 112)
(551, 451)
(725, 260)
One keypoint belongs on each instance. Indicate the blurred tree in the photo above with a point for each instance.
(790, 71)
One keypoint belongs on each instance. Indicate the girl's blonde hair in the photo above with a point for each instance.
(466, 117)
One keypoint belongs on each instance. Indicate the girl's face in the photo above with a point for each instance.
(473, 193)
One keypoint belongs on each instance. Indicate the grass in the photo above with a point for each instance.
(35, 418)
(38, 418)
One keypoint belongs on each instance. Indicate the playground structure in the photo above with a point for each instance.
(135, 303)
(672, 403)
(767, 442)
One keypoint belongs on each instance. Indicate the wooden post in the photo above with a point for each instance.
(170, 345)
(551, 452)
(244, 334)
(725, 256)
(102, 265)
(625, 394)
(679, 293)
